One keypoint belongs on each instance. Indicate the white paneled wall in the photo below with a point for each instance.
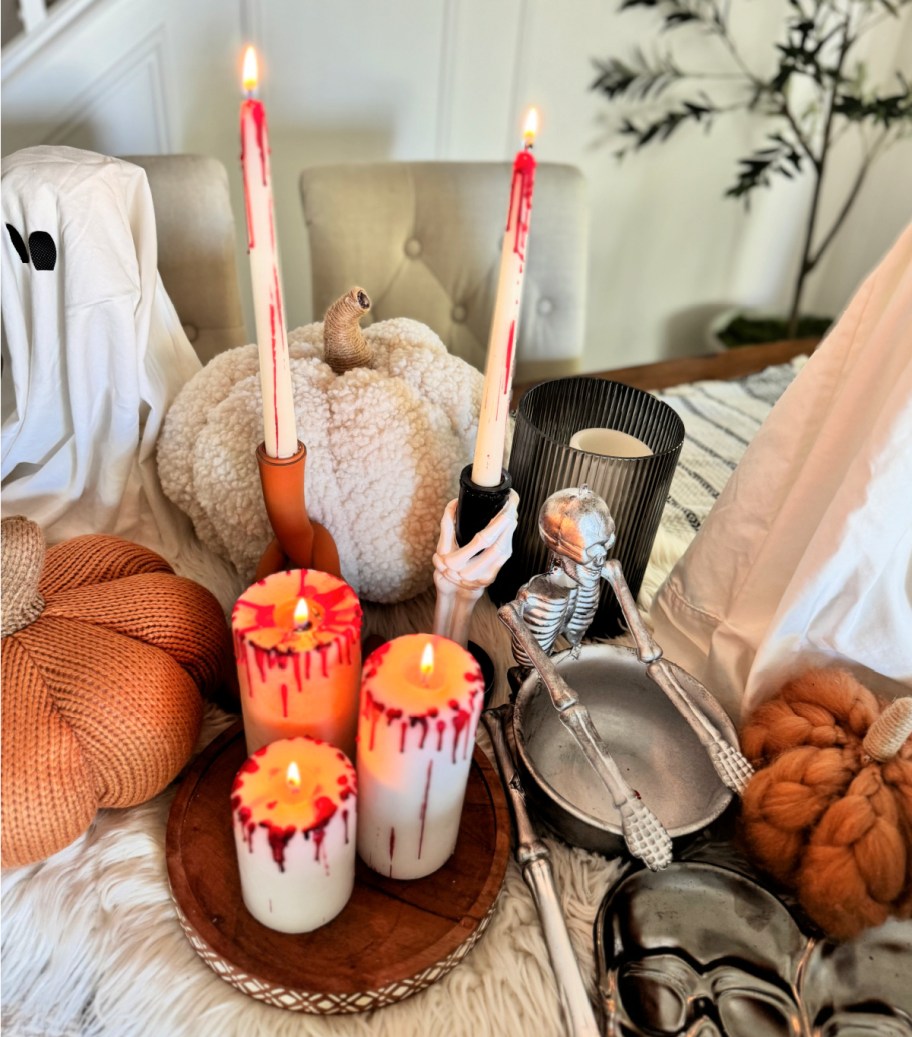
(78, 89)
(355, 80)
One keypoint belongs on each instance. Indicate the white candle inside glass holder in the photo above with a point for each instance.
(294, 818)
(610, 442)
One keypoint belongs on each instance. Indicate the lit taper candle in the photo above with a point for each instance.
(279, 436)
(495, 400)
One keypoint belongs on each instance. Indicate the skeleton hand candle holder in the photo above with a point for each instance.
(462, 573)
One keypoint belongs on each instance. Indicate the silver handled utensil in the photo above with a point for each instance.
(729, 763)
(644, 834)
(535, 861)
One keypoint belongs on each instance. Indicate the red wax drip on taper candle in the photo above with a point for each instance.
(495, 401)
(279, 434)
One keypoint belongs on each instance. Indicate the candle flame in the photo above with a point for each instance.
(250, 75)
(427, 662)
(531, 127)
(302, 614)
(293, 777)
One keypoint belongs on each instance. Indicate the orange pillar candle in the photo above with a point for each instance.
(297, 643)
(294, 817)
(419, 712)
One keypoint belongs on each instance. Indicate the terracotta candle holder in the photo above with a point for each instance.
(299, 543)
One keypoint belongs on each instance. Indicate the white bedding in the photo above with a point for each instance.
(806, 558)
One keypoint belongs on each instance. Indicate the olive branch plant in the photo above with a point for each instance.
(815, 93)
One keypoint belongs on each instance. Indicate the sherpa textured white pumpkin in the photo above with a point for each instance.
(389, 418)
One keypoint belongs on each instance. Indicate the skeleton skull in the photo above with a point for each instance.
(578, 528)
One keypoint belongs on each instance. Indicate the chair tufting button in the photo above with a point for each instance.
(459, 313)
(545, 306)
(191, 331)
(413, 248)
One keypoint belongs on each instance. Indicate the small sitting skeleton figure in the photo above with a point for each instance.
(578, 528)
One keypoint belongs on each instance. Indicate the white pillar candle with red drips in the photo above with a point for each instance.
(293, 810)
(297, 644)
(487, 464)
(280, 437)
(421, 697)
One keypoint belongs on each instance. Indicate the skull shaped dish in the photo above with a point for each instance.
(699, 950)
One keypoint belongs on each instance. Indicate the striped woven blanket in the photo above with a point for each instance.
(720, 419)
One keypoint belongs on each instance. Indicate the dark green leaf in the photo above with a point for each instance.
(879, 110)
(677, 18)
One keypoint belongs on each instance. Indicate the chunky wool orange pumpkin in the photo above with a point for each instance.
(105, 654)
(827, 813)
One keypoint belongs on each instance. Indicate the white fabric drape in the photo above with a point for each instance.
(93, 351)
(806, 557)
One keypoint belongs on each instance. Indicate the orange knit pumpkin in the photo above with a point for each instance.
(829, 810)
(105, 652)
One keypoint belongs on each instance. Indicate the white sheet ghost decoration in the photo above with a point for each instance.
(93, 351)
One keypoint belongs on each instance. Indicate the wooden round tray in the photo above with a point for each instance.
(392, 939)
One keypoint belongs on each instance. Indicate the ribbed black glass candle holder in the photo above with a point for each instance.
(634, 488)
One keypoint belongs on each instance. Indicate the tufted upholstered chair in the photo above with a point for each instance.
(196, 248)
(423, 238)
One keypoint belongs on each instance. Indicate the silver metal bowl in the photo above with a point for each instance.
(653, 745)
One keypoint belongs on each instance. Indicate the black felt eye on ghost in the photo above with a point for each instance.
(40, 245)
(18, 243)
(43, 250)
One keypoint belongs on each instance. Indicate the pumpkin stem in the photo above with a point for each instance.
(887, 735)
(344, 346)
(22, 559)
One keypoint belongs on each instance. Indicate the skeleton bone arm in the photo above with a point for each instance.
(731, 766)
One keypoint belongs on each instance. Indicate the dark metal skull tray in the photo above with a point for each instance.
(699, 950)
